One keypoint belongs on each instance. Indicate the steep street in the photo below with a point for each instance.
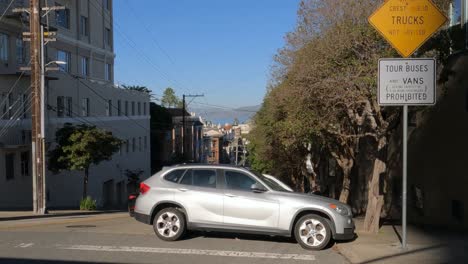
(117, 238)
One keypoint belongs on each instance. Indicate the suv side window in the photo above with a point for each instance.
(204, 178)
(174, 176)
(238, 181)
(187, 179)
(200, 178)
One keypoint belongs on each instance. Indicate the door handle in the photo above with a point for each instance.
(183, 189)
(230, 195)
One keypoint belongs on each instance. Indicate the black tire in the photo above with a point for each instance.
(172, 232)
(317, 237)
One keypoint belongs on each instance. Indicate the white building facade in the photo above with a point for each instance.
(81, 92)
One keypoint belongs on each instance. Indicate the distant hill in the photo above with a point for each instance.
(226, 115)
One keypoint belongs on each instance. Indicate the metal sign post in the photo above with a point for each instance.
(406, 25)
(405, 82)
(405, 177)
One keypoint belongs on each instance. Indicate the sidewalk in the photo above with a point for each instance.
(21, 215)
(424, 246)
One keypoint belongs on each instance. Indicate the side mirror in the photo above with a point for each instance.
(257, 188)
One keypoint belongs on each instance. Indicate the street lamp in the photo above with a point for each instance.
(56, 62)
(54, 68)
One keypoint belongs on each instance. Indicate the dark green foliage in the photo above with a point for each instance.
(170, 99)
(161, 127)
(79, 147)
(143, 89)
(322, 92)
(88, 204)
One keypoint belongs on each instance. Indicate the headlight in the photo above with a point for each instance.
(340, 209)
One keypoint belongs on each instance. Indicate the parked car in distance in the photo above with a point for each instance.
(233, 199)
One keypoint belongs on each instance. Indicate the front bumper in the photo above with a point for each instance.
(348, 234)
(345, 229)
(146, 219)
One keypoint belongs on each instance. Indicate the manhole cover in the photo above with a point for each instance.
(81, 226)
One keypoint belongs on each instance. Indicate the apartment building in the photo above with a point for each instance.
(82, 91)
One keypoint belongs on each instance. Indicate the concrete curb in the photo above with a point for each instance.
(57, 214)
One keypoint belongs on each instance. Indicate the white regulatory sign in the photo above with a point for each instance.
(407, 82)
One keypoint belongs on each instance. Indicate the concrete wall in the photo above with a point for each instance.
(438, 153)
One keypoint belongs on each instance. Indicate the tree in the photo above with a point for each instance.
(160, 125)
(169, 98)
(321, 100)
(79, 147)
(180, 104)
(138, 88)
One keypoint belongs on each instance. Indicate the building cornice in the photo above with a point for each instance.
(83, 44)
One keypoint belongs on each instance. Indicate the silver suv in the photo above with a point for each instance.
(233, 199)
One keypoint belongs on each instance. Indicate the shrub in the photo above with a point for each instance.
(88, 204)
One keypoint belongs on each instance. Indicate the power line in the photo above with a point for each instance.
(103, 98)
(149, 31)
(226, 107)
(10, 123)
(76, 115)
(11, 107)
(105, 101)
(14, 85)
(15, 117)
(151, 35)
(133, 45)
(6, 9)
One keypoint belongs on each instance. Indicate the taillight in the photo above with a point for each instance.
(144, 188)
(132, 197)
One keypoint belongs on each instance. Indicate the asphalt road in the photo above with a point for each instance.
(117, 238)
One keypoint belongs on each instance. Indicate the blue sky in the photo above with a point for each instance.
(222, 48)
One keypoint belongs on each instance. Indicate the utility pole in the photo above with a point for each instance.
(237, 151)
(38, 68)
(183, 119)
(37, 142)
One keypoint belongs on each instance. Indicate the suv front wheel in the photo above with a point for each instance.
(169, 224)
(312, 232)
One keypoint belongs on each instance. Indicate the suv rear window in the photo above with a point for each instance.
(174, 176)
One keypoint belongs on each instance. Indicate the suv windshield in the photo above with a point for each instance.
(270, 183)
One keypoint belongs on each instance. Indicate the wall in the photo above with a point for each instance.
(438, 153)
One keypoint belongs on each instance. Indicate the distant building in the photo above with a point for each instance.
(83, 91)
(214, 147)
(191, 151)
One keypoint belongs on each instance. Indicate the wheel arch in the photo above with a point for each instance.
(167, 204)
(315, 211)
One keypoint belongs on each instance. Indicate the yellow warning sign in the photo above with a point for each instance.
(407, 24)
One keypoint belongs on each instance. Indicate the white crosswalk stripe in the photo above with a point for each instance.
(25, 245)
(181, 251)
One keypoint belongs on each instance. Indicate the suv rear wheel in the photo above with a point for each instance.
(169, 224)
(312, 232)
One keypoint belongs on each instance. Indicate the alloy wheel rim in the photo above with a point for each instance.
(312, 232)
(168, 224)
